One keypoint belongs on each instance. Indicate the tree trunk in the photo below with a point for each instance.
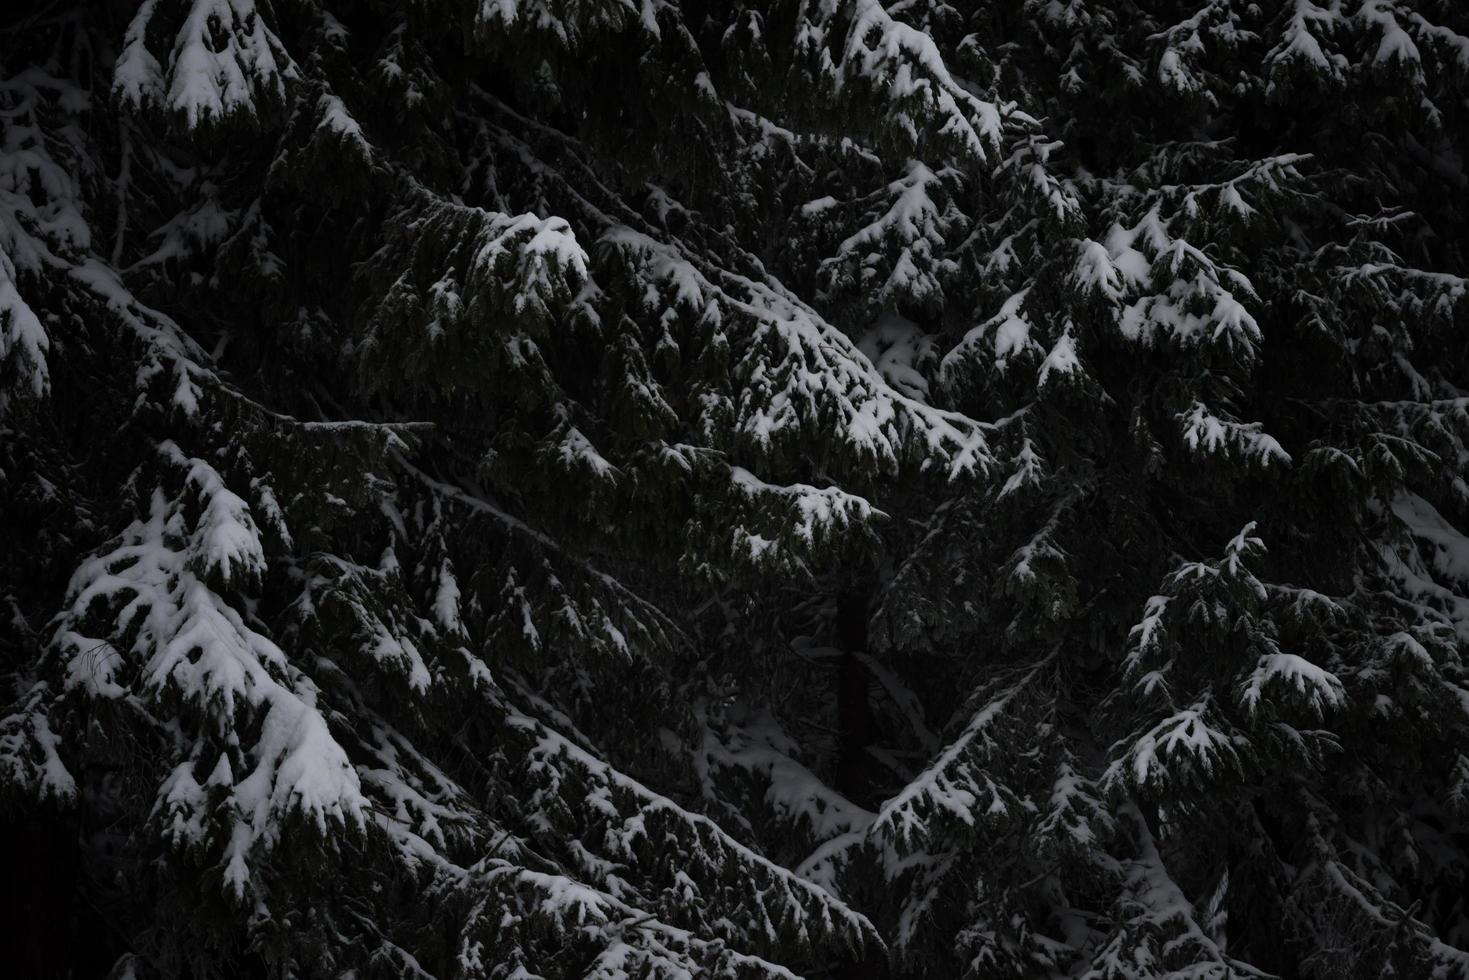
(857, 729)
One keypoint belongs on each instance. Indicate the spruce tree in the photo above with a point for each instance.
(594, 488)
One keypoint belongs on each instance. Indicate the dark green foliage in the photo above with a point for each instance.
(587, 488)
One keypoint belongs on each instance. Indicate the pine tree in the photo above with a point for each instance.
(582, 488)
(1176, 758)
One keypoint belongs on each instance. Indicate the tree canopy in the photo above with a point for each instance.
(656, 488)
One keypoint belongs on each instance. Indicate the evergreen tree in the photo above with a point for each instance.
(594, 488)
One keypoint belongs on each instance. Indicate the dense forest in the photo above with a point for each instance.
(514, 489)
